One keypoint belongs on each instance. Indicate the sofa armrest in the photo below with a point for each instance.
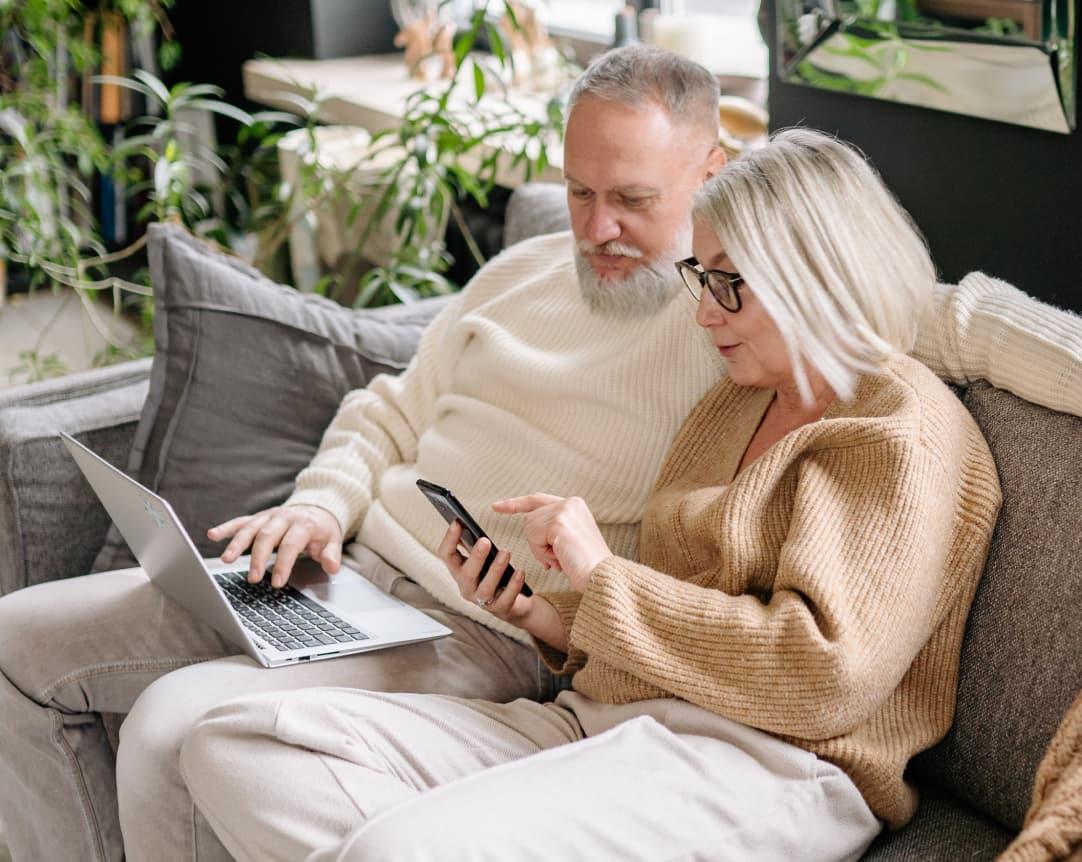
(51, 524)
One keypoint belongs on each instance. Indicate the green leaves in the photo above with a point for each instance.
(496, 45)
(33, 367)
(878, 45)
(444, 153)
(478, 82)
(176, 157)
(449, 152)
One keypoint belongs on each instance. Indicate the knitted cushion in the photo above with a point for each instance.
(247, 375)
(1022, 654)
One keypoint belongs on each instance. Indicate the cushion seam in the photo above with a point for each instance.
(182, 403)
(372, 356)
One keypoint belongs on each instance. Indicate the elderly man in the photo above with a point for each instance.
(566, 364)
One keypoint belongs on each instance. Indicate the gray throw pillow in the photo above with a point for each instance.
(1022, 653)
(247, 375)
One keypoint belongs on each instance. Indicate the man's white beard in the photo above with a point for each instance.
(645, 291)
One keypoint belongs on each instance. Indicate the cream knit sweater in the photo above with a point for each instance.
(821, 594)
(516, 387)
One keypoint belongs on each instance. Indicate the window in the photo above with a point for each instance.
(581, 17)
(723, 35)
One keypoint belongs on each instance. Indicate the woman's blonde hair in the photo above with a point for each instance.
(834, 259)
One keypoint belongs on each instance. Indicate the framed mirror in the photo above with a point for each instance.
(1006, 60)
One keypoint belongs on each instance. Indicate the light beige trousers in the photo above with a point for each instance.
(113, 643)
(339, 774)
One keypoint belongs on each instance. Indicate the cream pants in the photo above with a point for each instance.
(113, 643)
(339, 774)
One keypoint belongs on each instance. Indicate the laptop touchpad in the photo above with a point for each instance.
(348, 591)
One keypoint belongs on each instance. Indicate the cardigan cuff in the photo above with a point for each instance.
(566, 605)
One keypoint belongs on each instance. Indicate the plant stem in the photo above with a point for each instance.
(61, 105)
(467, 234)
(51, 322)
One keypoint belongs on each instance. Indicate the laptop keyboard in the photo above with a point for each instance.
(285, 618)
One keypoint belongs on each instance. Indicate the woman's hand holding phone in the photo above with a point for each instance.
(482, 587)
(475, 584)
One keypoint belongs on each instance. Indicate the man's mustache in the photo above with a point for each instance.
(612, 247)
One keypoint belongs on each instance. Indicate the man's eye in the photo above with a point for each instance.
(636, 203)
(580, 194)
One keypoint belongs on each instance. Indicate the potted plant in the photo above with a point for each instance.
(50, 148)
(416, 175)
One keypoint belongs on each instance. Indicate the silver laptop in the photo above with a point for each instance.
(315, 616)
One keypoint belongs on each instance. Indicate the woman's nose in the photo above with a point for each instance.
(709, 312)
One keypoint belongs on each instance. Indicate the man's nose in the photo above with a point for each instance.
(603, 225)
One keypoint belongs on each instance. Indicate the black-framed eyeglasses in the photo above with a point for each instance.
(723, 286)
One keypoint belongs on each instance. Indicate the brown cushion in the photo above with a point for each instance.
(247, 375)
(1022, 654)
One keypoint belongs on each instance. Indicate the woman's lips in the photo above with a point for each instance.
(727, 350)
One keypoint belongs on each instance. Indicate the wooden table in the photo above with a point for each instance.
(370, 92)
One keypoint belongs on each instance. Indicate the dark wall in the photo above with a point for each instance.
(1003, 199)
(217, 36)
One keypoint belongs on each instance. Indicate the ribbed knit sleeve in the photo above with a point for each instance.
(376, 428)
(985, 329)
(559, 662)
(858, 578)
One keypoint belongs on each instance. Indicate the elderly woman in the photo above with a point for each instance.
(755, 684)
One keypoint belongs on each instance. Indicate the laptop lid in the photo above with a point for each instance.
(160, 544)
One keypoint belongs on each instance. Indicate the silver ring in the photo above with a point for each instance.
(481, 601)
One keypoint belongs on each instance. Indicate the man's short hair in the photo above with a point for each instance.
(822, 243)
(637, 74)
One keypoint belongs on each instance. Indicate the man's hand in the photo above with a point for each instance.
(290, 529)
(561, 532)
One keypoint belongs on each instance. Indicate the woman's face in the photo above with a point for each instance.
(748, 339)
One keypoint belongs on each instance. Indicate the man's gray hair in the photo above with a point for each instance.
(835, 260)
(637, 74)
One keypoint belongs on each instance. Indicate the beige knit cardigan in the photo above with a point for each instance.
(1053, 827)
(821, 594)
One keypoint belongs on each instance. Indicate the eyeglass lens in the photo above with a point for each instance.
(720, 287)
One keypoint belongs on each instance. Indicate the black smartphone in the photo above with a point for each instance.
(448, 505)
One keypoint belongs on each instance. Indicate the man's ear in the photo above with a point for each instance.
(715, 161)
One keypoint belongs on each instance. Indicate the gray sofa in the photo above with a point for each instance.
(257, 370)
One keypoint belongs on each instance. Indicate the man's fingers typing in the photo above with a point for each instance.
(244, 536)
(331, 557)
(230, 527)
(266, 540)
(289, 548)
